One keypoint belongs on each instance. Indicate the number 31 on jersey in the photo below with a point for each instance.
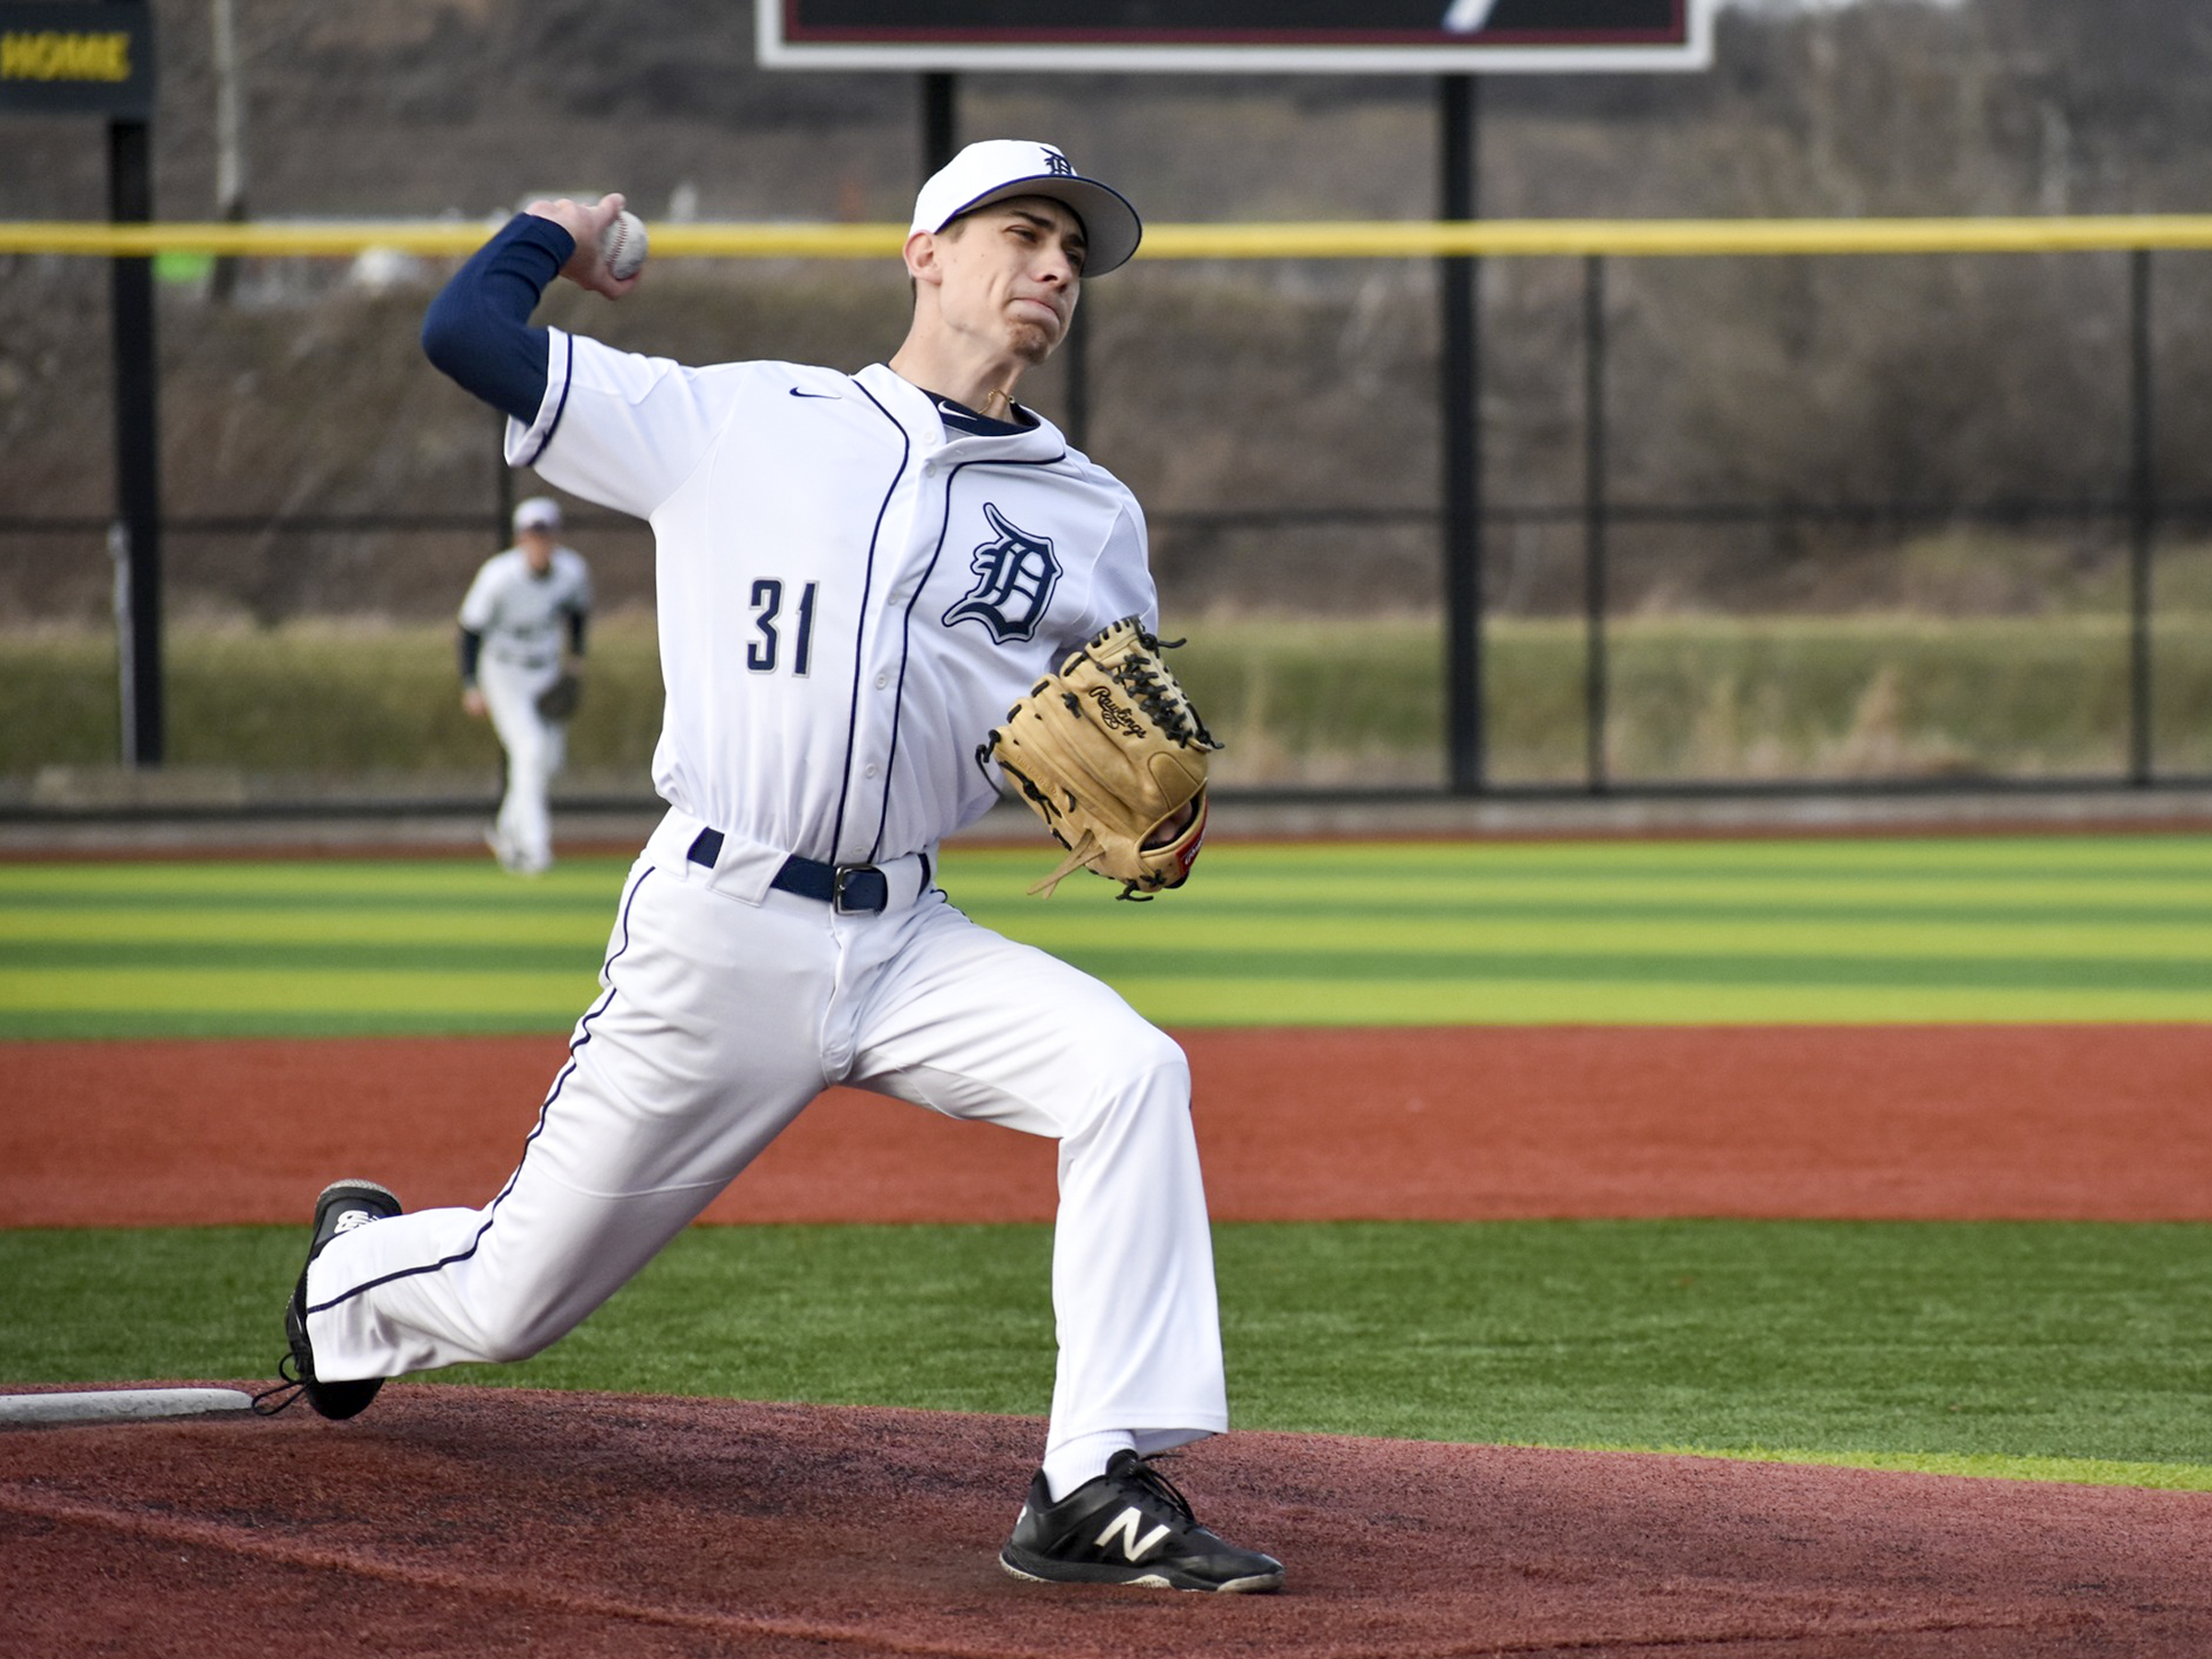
(761, 654)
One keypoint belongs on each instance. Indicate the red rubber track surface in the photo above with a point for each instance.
(1958, 1122)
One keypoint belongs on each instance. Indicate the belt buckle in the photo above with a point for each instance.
(851, 888)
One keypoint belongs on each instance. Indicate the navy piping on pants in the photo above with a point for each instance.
(584, 1035)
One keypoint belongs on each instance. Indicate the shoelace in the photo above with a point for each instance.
(1144, 1475)
(289, 1384)
(1169, 706)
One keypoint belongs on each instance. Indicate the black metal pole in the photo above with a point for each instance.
(940, 120)
(137, 447)
(2143, 512)
(1459, 293)
(502, 493)
(1594, 679)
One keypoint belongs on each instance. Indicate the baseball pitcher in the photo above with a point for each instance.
(861, 579)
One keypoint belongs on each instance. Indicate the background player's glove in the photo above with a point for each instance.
(1108, 752)
(558, 700)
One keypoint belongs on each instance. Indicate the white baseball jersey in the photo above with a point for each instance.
(849, 593)
(523, 617)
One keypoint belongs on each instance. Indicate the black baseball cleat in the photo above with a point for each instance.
(339, 1207)
(1129, 1526)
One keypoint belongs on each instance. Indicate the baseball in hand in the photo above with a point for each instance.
(622, 246)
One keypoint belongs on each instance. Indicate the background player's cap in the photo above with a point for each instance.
(540, 512)
(999, 167)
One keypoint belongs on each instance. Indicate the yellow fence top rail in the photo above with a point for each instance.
(1368, 238)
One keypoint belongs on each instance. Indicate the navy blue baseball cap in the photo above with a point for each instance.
(999, 167)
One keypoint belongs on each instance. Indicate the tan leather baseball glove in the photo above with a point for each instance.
(1110, 753)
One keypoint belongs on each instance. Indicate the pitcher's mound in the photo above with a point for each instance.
(467, 1521)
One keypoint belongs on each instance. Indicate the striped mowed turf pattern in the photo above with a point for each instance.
(2044, 929)
(2106, 928)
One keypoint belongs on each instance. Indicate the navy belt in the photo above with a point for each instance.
(849, 890)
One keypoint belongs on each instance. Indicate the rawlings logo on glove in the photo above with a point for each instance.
(1115, 716)
(1110, 753)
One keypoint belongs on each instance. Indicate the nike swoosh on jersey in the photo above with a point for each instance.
(796, 392)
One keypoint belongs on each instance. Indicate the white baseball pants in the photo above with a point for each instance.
(719, 1020)
(537, 750)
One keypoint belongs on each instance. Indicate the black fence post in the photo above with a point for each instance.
(1595, 664)
(502, 493)
(137, 447)
(940, 120)
(2142, 512)
(1459, 295)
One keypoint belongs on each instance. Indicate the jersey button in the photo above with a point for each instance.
(870, 773)
(882, 680)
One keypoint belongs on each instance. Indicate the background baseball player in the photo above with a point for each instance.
(856, 575)
(524, 608)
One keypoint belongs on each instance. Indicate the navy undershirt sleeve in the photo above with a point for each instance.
(472, 646)
(576, 629)
(477, 329)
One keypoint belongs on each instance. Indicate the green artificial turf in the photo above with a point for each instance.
(2032, 928)
(2063, 1350)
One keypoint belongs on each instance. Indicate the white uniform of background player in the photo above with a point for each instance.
(524, 613)
(856, 574)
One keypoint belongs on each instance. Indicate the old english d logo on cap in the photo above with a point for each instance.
(998, 169)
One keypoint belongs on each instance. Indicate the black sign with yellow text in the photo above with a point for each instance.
(77, 60)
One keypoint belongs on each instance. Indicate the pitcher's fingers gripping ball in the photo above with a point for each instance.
(1110, 753)
(622, 246)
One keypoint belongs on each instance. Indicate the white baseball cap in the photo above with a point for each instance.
(540, 512)
(999, 167)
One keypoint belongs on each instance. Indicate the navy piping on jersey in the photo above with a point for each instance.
(905, 629)
(867, 587)
(584, 1035)
(567, 378)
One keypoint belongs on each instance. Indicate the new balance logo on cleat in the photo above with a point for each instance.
(353, 1219)
(1126, 1525)
(1129, 1526)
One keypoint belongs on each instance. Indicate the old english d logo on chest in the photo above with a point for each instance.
(1015, 576)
